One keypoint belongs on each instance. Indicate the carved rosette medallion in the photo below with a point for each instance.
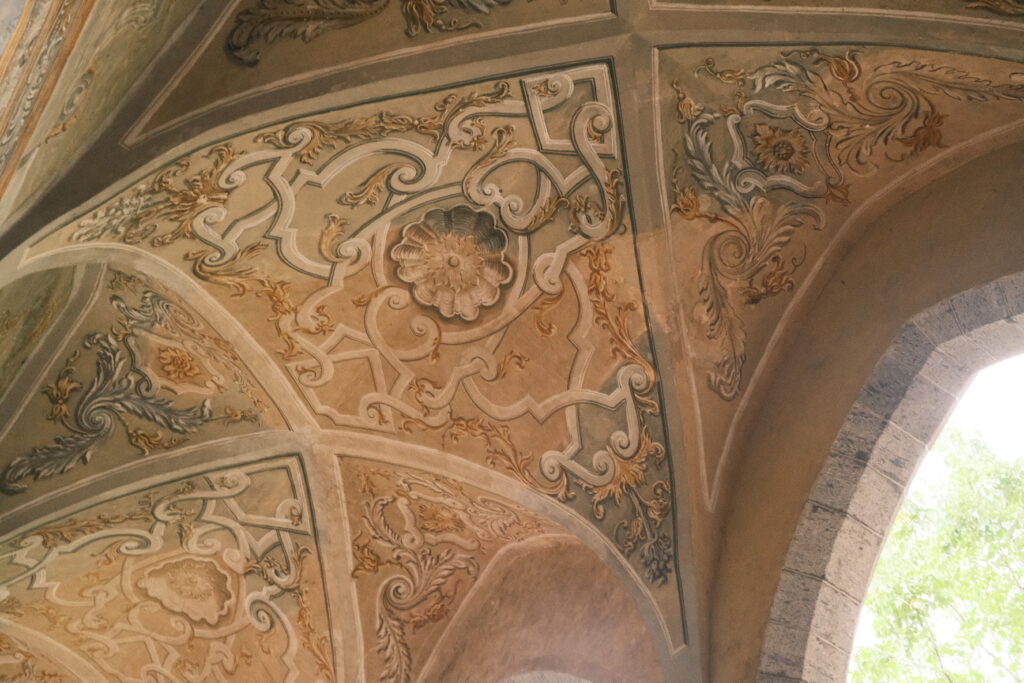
(195, 587)
(455, 261)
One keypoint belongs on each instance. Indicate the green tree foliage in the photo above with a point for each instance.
(947, 598)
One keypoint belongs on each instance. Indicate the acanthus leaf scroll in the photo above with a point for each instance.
(1010, 8)
(525, 175)
(126, 392)
(422, 536)
(801, 130)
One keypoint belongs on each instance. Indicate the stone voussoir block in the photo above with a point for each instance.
(835, 616)
(838, 482)
(979, 306)
(853, 557)
(948, 372)
(938, 323)
(1002, 338)
(812, 544)
(924, 409)
(1012, 287)
(896, 454)
(825, 663)
(796, 600)
(858, 435)
(876, 501)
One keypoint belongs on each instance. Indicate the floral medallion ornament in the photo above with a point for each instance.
(455, 260)
(195, 587)
(440, 519)
(178, 364)
(781, 151)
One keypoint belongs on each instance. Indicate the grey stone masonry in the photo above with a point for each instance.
(898, 413)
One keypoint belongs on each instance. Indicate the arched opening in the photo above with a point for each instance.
(944, 599)
(858, 491)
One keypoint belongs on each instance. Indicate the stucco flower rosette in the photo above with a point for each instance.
(455, 261)
(193, 586)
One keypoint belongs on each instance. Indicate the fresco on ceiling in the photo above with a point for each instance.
(419, 543)
(141, 375)
(21, 662)
(268, 21)
(454, 269)
(10, 16)
(208, 577)
(770, 151)
(260, 42)
(51, 29)
(27, 310)
(116, 45)
(264, 22)
(972, 8)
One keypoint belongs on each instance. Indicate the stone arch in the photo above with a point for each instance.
(860, 487)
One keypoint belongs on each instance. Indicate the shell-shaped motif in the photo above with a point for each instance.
(455, 261)
(193, 586)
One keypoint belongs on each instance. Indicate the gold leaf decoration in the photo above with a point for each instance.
(472, 287)
(314, 137)
(133, 217)
(841, 118)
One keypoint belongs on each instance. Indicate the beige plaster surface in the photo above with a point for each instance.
(547, 595)
(267, 270)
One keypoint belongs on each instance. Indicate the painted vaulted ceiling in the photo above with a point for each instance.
(434, 340)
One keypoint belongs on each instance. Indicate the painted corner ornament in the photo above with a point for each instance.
(273, 20)
(1009, 8)
(420, 537)
(213, 576)
(455, 270)
(799, 128)
(127, 390)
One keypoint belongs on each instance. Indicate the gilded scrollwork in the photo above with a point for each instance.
(20, 664)
(185, 581)
(167, 197)
(124, 391)
(422, 537)
(456, 270)
(801, 130)
(273, 20)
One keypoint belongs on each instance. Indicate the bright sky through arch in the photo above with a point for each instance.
(993, 408)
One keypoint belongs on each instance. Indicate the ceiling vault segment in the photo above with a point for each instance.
(327, 324)
(466, 240)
